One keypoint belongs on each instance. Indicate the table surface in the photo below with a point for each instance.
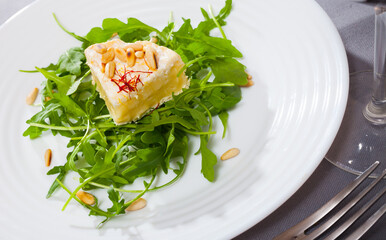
(354, 21)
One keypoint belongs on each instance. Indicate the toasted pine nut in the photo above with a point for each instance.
(249, 77)
(130, 57)
(139, 54)
(108, 55)
(48, 157)
(120, 54)
(136, 46)
(137, 204)
(47, 99)
(153, 40)
(31, 97)
(150, 59)
(86, 197)
(110, 69)
(99, 48)
(233, 152)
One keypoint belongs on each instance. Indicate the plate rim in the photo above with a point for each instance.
(331, 135)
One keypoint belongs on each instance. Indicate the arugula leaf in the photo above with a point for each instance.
(69, 104)
(71, 61)
(186, 29)
(82, 39)
(208, 159)
(63, 83)
(74, 87)
(88, 152)
(228, 70)
(40, 117)
(224, 98)
(224, 120)
(118, 203)
(153, 137)
(150, 159)
(211, 46)
(166, 120)
(170, 138)
(209, 24)
(56, 170)
(167, 32)
(101, 164)
(132, 30)
(198, 116)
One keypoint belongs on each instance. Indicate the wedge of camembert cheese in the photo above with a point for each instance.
(134, 78)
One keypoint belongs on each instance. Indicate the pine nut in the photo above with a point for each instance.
(108, 55)
(110, 69)
(99, 48)
(233, 152)
(86, 197)
(130, 57)
(48, 157)
(120, 54)
(31, 97)
(137, 204)
(249, 77)
(150, 59)
(139, 54)
(136, 46)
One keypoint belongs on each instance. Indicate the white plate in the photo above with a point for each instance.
(283, 126)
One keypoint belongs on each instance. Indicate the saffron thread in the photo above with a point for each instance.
(127, 82)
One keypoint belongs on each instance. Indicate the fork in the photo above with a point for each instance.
(299, 230)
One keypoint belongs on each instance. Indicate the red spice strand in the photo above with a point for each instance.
(128, 85)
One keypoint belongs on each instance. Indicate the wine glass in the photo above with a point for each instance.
(361, 139)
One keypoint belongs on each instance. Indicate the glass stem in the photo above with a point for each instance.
(375, 110)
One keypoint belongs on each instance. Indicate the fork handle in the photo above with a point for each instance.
(298, 230)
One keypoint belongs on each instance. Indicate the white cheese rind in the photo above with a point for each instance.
(154, 89)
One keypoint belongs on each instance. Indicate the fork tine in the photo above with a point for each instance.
(343, 211)
(298, 229)
(354, 217)
(368, 224)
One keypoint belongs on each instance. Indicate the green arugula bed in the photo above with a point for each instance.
(110, 157)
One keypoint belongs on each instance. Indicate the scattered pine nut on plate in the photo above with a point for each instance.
(137, 204)
(31, 97)
(48, 157)
(86, 197)
(231, 153)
